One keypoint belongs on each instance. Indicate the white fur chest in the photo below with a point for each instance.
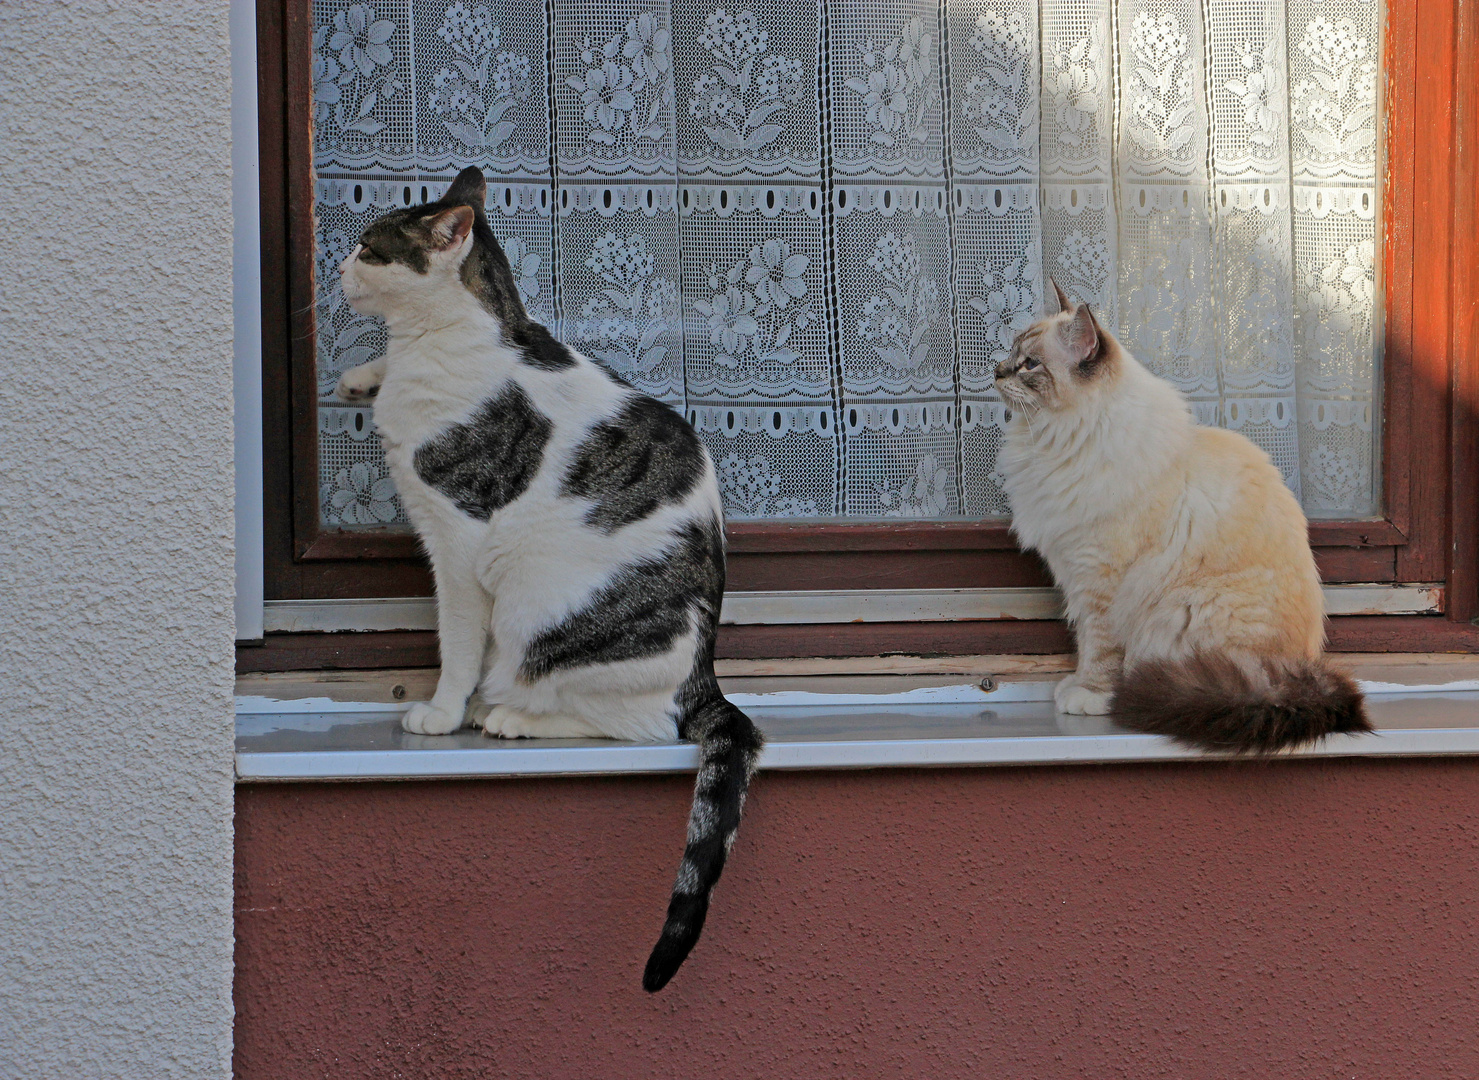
(436, 380)
(1072, 478)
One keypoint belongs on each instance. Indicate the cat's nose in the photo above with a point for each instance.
(1003, 369)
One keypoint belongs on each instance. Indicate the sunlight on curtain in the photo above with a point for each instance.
(816, 226)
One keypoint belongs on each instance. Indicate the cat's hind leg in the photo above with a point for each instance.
(511, 722)
(477, 712)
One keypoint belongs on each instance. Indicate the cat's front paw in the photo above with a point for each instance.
(359, 383)
(1070, 697)
(424, 719)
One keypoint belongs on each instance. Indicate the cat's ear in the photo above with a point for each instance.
(449, 228)
(1058, 301)
(469, 189)
(1083, 338)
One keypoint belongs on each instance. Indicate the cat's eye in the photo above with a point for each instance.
(1030, 363)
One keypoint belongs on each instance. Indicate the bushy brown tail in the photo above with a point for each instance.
(1215, 703)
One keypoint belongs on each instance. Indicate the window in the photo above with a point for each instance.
(1218, 200)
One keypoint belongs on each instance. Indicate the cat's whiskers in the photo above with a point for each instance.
(1025, 403)
(1029, 411)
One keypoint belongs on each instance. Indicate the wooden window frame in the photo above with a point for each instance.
(1430, 408)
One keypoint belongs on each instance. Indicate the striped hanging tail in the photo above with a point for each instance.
(729, 749)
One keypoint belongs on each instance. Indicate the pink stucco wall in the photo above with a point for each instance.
(1258, 920)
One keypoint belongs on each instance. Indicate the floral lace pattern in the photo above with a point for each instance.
(474, 94)
(362, 494)
(925, 494)
(895, 320)
(999, 105)
(817, 229)
(750, 306)
(354, 71)
(752, 489)
(623, 323)
(1073, 86)
(898, 85)
(1160, 96)
(1009, 300)
(736, 100)
(1336, 301)
(625, 83)
(1334, 105)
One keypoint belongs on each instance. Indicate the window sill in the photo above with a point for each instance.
(816, 607)
(839, 721)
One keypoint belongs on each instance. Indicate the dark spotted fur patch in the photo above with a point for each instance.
(489, 461)
(643, 458)
(640, 611)
(397, 237)
(537, 347)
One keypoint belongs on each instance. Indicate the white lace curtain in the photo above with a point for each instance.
(816, 225)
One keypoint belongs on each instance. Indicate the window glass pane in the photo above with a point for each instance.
(816, 229)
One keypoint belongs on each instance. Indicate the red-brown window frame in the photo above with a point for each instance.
(1430, 408)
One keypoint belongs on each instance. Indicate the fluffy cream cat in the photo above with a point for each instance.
(1183, 559)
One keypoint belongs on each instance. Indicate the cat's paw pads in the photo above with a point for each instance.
(356, 384)
(425, 720)
(1081, 701)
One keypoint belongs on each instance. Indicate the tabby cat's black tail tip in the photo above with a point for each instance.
(661, 967)
(680, 933)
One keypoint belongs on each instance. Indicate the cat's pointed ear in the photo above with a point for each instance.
(450, 227)
(469, 189)
(1083, 338)
(1058, 301)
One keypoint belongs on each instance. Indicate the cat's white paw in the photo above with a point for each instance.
(359, 384)
(510, 723)
(424, 720)
(507, 722)
(1078, 700)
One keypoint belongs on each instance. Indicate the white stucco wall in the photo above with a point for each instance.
(116, 574)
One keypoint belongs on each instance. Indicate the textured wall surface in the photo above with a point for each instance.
(1283, 920)
(115, 540)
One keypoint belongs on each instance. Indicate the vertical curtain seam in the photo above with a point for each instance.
(1214, 264)
(942, 15)
(557, 297)
(831, 301)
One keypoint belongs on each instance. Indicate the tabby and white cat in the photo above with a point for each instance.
(574, 526)
(1183, 558)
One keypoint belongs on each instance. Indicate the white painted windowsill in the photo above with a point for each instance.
(957, 724)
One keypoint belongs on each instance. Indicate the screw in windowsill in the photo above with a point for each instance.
(988, 683)
(398, 691)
